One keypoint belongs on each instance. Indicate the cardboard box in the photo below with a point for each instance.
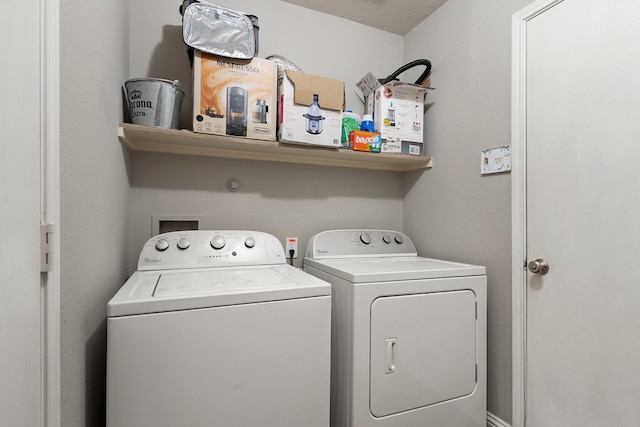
(396, 146)
(413, 148)
(391, 145)
(310, 109)
(399, 114)
(234, 97)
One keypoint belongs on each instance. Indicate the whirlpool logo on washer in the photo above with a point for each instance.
(152, 260)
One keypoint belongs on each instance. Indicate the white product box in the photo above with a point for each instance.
(395, 146)
(310, 109)
(399, 115)
(234, 97)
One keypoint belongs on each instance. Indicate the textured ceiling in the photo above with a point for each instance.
(394, 16)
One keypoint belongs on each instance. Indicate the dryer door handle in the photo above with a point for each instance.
(390, 356)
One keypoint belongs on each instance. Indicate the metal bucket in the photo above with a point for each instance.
(154, 102)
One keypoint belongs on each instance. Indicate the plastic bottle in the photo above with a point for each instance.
(350, 121)
(367, 123)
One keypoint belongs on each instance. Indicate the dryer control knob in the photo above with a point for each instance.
(249, 242)
(365, 238)
(399, 240)
(162, 245)
(218, 242)
(183, 243)
(386, 238)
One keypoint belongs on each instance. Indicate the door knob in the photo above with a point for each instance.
(539, 266)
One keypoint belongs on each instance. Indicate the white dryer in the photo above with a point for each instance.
(408, 332)
(216, 329)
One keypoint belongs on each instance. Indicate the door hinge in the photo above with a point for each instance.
(47, 235)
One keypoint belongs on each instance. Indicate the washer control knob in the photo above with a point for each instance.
(183, 243)
(386, 238)
(399, 239)
(162, 245)
(365, 238)
(218, 242)
(249, 242)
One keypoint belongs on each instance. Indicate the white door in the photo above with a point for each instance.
(582, 136)
(22, 342)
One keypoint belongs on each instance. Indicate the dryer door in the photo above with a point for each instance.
(423, 350)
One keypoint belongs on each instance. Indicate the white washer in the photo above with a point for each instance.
(408, 332)
(216, 329)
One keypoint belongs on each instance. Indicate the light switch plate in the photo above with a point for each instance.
(495, 160)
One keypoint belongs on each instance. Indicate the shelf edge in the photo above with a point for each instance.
(148, 139)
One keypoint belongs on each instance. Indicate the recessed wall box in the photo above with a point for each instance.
(167, 223)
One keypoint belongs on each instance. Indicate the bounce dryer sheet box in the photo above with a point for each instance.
(234, 97)
(310, 109)
(360, 140)
(399, 115)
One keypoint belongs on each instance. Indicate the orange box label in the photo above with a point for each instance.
(360, 140)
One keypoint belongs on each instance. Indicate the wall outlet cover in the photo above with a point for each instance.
(495, 160)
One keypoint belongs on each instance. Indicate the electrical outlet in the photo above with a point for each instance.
(291, 248)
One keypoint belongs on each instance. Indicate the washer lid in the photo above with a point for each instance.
(388, 269)
(171, 290)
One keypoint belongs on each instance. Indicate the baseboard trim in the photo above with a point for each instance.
(493, 421)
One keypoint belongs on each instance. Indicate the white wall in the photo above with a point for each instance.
(283, 199)
(451, 211)
(94, 197)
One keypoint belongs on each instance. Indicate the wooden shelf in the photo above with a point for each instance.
(160, 140)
